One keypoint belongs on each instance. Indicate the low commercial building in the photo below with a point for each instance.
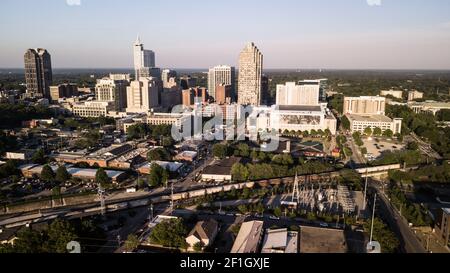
(221, 171)
(429, 106)
(280, 241)
(358, 123)
(398, 94)
(129, 160)
(31, 170)
(168, 119)
(443, 226)
(249, 238)
(20, 155)
(187, 156)
(322, 240)
(92, 109)
(173, 167)
(292, 118)
(203, 233)
(415, 95)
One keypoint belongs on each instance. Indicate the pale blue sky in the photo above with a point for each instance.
(411, 34)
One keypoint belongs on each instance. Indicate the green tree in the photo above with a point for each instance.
(171, 233)
(368, 131)
(198, 247)
(220, 151)
(137, 131)
(47, 174)
(158, 154)
(388, 133)
(59, 233)
(382, 234)
(62, 175)
(132, 242)
(158, 175)
(239, 172)
(277, 212)
(38, 157)
(413, 146)
(102, 177)
(377, 131)
(345, 123)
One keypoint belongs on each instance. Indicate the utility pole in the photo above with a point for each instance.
(101, 195)
(151, 212)
(171, 197)
(365, 190)
(373, 217)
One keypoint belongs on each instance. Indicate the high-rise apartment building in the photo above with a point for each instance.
(250, 76)
(142, 58)
(142, 95)
(38, 72)
(323, 86)
(221, 75)
(113, 89)
(365, 105)
(305, 93)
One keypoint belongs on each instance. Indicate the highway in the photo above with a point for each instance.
(425, 148)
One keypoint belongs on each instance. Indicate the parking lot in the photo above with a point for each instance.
(375, 147)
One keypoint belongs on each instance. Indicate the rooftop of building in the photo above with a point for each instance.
(223, 167)
(205, 229)
(300, 108)
(436, 104)
(322, 240)
(280, 240)
(170, 166)
(368, 118)
(248, 238)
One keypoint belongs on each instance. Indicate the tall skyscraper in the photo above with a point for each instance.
(113, 89)
(250, 76)
(221, 75)
(38, 72)
(142, 95)
(142, 58)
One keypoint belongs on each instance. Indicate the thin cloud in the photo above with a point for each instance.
(73, 2)
(373, 3)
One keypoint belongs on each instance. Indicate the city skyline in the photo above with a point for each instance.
(293, 34)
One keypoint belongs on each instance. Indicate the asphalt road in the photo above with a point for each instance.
(408, 240)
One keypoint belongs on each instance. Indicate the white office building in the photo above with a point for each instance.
(303, 94)
(291, 118)
(142, 95)
(113, 89)
(92, 109)
(142, 58)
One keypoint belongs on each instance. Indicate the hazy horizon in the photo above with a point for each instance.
(292, 34)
